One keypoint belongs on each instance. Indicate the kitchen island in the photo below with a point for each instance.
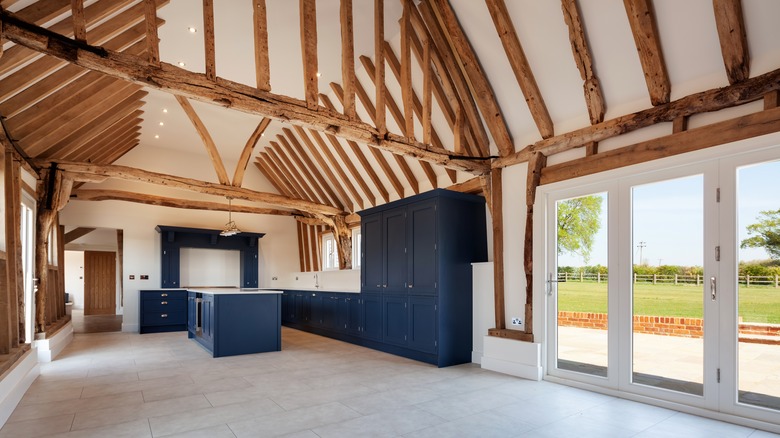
(229, 322)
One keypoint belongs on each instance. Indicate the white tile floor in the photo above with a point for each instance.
(128, 385)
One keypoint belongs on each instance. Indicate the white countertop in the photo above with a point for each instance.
(304, 289)
(234, 291)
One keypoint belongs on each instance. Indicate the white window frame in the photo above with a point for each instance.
(357, 241)
(330, 261)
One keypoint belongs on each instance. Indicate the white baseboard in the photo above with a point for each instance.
(49, 348)
(516, 358)
(15, 382)
(130, 328)
(476, 357)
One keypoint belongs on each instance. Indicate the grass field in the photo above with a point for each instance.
(756, 304)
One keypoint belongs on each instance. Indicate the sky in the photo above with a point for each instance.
(668, 218)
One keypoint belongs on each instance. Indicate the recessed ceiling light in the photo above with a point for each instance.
(162, 124)
(262, 135)
(192, 29)
(156, 136)
(182, 64)
(319, 74)
(165, 110)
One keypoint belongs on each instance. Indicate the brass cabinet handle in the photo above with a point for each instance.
(163, 295)
(163, 302)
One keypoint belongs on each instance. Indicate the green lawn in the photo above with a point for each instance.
(756, 304)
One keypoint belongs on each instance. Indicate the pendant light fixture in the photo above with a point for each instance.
(230, 228)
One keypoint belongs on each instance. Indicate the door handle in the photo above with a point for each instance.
(550, 282)
(713, 288)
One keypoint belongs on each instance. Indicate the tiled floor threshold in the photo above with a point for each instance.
(129, 385)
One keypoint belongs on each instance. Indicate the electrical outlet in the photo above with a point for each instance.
(274, 278)
(516, 321)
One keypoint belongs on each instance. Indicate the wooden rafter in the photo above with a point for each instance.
(334, 182)
(246, 153)
(163, 201)
(733, 39)
(262, 161)
(124, 131)
(208, 39)
(87, 171)
(483, 92)
(520, 66)
(226, 93)
(270, 177)
(334, 141)
(594, 99)
(427, 92)
(79, 21)
(262, 64)
(293, 175)
(273, 162)
(379, 75)
(312, 169)
(304, 173)
(308, 11)
(449, 64)
(380, 159)
(347, 58)
(706, 101)
(326, 151)
(152, 39)
(76, 233)
(208, 142)
(648, 45)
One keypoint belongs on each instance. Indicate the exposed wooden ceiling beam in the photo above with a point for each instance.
(406, 69)
(303, 174)
(312, 169)
(293, 176)
(190, 184)
(716, 99)
(246, 153)
(208, 40)
(142, 198)
(733, 39)
(334, 141)
(308, 12)
(521, 68)
(178, 81)
(334, 182)
(34, 93)
(152, 39)
(126, 130)
(266, 171)
(76, 233)
(483, 92)
(18, 55)
(79, 22)
(594, 99)
(265, 160)
(262, 65)
(274, 163)
(472, 186)
(326, 151)
(379, 76)
(380, 159)
(648, 45)
(427, 92)
(208, 142)
(740, 128)
(347, 57)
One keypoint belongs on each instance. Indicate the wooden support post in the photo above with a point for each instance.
(300, 246)
(120, 260)
(591, 148)
(262, 65)
(246, 153)
(348, 58)
(308, 11)
(306, 249)
(79, 22)
(772, 100)
(13, 245)
(427, 93)
(379, 76)
(208, 39)
(208, 142)
(733, 39)
(648, 45)
(582, 57)
(535, 166)
(679, 124)
(497, 215)
(152, 39)
(49, 191)
(406, 69)
(343, 241)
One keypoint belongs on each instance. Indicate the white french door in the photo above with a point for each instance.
(651, 302)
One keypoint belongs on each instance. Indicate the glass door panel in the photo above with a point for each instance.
(758, 288)
(582, 284)
(667, 285)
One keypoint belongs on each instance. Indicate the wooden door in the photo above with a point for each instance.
(99, 283)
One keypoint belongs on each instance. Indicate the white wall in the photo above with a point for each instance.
(74, 277)
(209, 267)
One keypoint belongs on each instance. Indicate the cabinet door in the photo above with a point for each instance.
(394, 229)
(372, 317)
(285, 307)
(396, 319)
(422, 323)
(371, 270)
(249, 268)
(207, 318)
(315, 308)
(330, 308)
(192, 312)
(170, 267)
(422, 248)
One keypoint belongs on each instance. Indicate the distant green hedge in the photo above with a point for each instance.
(754, 268)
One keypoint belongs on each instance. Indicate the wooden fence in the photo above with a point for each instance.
(746, 280)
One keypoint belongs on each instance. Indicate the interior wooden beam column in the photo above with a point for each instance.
(262, 63)
(326, 151)
(343, 241)
(497, 217)
(347, 58)
(301, 250)
(334, 182)
(312, 169)
(380, 159)
(120, 260)
(246, 153)
(306, 250)
(406, 69)
(520, 66)
(379, 74)
(483, 92)
(79, 22)
(427, 92)
(208, 40)
(11, 299)
(733, 39)
(152, 39)
(535, 166)
(208, 142)
(594, 99)
(648, 45)
(308, 11)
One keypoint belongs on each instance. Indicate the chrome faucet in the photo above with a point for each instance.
(316, 281)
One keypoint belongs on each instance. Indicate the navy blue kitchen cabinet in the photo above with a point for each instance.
(207, 321)
(415, 299)
(163, 311)
(170, 268)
